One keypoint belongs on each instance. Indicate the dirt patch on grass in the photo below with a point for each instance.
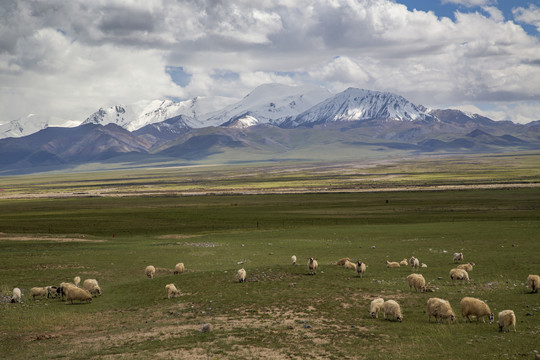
(26, 237)
(176, 237)
(269, 333)
(199, 244)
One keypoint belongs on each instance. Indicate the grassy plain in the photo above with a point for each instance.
(280, 312)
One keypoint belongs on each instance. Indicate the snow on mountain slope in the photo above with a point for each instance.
(270, 103)
(358, 104)
(24, 126)
(135, 116)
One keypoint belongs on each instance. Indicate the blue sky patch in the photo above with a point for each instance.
(178, 75)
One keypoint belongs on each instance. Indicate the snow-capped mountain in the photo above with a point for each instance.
(24, 126)
(358, 104)
(135, 116)
(269, 103)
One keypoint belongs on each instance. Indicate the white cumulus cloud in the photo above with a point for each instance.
(68, 58)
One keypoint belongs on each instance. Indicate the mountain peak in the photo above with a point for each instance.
(24, 126)
(356, 104)
(272, 103)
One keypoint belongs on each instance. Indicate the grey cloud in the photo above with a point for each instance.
(122, 21)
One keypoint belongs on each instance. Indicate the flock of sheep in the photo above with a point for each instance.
(71, 291)
(437, 308)
(440, 309)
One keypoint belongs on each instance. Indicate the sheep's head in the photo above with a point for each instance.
(491, 317)
(399, 318)
(452, 318)
(373, 314)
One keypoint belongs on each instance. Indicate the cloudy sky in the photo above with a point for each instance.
(66, 59)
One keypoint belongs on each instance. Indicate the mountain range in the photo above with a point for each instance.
(272, 122)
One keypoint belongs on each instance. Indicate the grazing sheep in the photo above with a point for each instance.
(507, 318)
(75, 293)
(312, 266)
(52, 291)
(439, 309)
(350, 265)
(77, 280)
(92, 286)
(467, 267)
(179, 268)
(376, 306)
(404, 262)
(38, 291)
(475, 307)
(342, 262)
(62, 289)
(414, 262)
(150, 271)
(423, 265)
(172, 291)
(293, 259)
(16, 297)
(459, 274)
(241, 275)
(392, 308)
(534, 282)
(458, 257)
(392, 264)
(360, 268)
(417, 281)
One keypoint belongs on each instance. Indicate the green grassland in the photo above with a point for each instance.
(281, 312)
(291, 176)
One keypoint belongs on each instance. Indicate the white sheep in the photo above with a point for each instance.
(241, 275)
(404, 262)
(458, 257)
(38, 291)
(150, 271)
(77, 280)
(342, 261)
(92, 286)
(534, 282)
(475, 307)
(17, 295)
(349, 265)
(392, 264)
(376, 306)
(414, 262)
(361, 268)
(62, 289)
(440, 309)
(459, 274)
(467, 267)
(312, 266)
(507, 318)
(179, 268)
(293, 259)
(423, 265)
(172, 291)
(75, 293)
(392, 308)
(417, 281)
